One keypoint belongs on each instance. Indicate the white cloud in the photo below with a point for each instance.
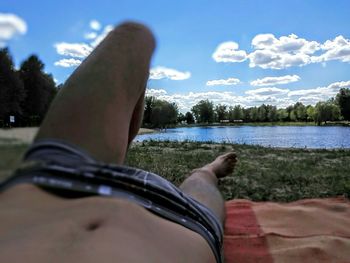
(229, 52)
(336, 49)
(267, 91)
(263, 41)
(223, 82)
(278, 97)
(81, 50)
(269, 81)
(168, 73)
(100, 37)
(312, 96)
(186, 101)
(90, 35)
(270, 52)
(155, 92)
(283, 52)
(10, 26)
(95, 25)
(326, 92)
(77, 50)
(68, 62)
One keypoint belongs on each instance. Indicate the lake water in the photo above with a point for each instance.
(274, 136)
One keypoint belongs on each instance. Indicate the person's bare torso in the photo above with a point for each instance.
(39, 227)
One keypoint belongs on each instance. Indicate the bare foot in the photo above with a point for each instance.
(223, 165)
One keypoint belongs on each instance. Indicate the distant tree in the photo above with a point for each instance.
(282, 115)
(292, 116)
(335, 112)
(343, 100)
(246, 115)
(289, 110)
(12, 92)
(221, 112)
(300, 111)
(163, 114)
(203, 111)
(236, 113)
(40, 90)
(271, 113)
(254, 114)
(149, 103)
(180, 117)
(262, 113)
(310, 112)
(326, 111)
(189, 117)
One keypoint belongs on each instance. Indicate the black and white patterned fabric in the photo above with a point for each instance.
(65, 170)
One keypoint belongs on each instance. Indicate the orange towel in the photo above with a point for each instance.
(313, 230)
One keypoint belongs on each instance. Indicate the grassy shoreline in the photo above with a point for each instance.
(262, 174)
(339, 123)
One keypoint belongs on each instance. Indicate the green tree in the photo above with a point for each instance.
(343, 100)
(254, 114)
(262, 113)
(289, 110)
(271, 113)
(292, 116)
(149, 103)
(300, 111)
(40, 90)
(310, 112)
(282, 114)
(203, 111)
(236, 113)
(246, 115)
(221, 112)
(326, 111)
(189, 117)
(12, 91)
(181, 117)
(335, 112)
(163, 114)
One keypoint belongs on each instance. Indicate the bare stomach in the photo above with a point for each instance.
(39, 227)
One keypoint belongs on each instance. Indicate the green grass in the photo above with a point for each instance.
(10, 155)
(261, 174)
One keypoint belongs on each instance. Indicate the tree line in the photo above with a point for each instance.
(25, 93)
(159, 113)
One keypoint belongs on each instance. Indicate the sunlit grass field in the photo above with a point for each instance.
(261, 173)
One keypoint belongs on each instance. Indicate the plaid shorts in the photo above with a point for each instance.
(67, 171)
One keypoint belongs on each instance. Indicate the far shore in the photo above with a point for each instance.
(27, 134)
(278, 123)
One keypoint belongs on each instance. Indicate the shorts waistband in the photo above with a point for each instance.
(66, 170)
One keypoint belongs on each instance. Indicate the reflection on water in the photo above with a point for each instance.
(274, 136)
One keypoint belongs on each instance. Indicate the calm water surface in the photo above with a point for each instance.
(274, 136)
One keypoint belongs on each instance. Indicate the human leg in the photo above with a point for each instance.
(100, 106)
(202, 183)
(102, 123)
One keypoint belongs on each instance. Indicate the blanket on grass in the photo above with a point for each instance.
(312, 230)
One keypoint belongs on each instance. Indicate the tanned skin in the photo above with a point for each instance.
(100, 110)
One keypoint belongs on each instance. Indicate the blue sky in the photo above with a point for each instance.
(232, 52)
